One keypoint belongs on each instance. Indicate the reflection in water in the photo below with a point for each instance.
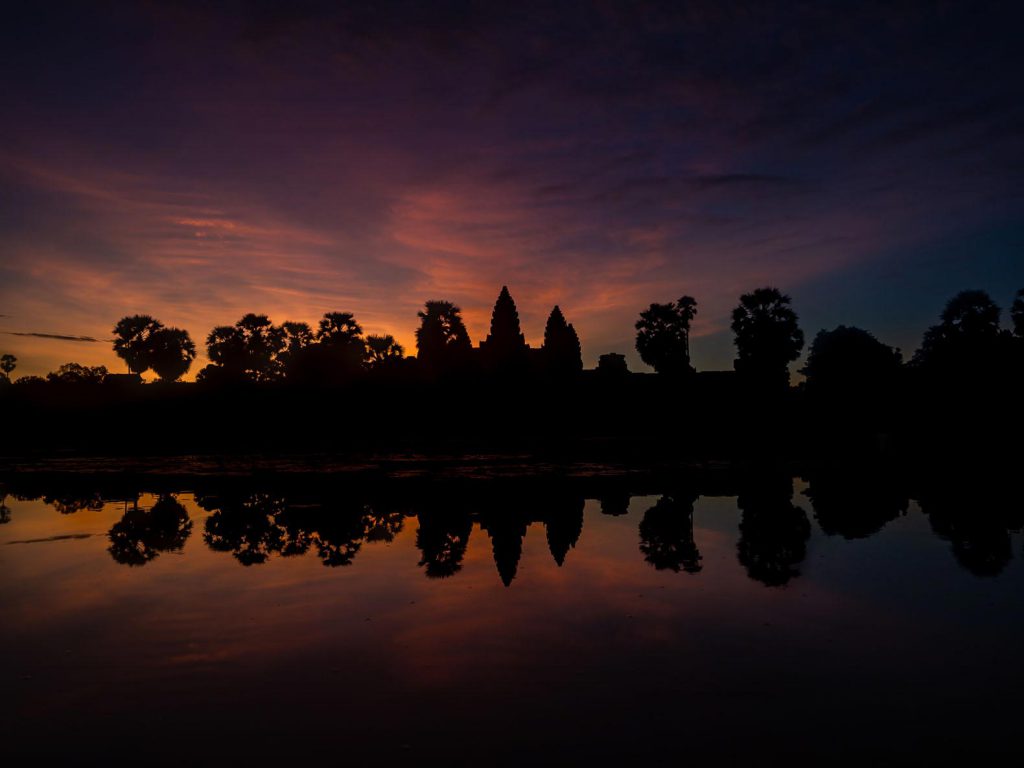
(143, 534)
(637, 609)
(666, 535)
(564, 522)
(855, 504)
(977, 522)
(773, 532)
(615, 504)
(506, 525)
(334, 525)
(442, 539)
(69, 504)
(253, 527)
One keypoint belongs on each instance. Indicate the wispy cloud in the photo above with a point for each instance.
(59, 337)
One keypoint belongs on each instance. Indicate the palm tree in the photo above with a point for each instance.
(383, 349)
(7, 365)
(768, 336)
(131, 340)
(171, 353)
(441, 339)
(663, 335)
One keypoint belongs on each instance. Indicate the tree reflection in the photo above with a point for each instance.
(246, 527)
(976, 522)
(854, 503)
(141, 535)
(773, 532)
(69, 503)
(666, 534)
(442, 538)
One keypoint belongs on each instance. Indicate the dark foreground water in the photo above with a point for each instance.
(513, 624)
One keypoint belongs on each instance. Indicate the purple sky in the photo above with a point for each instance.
(303, 157)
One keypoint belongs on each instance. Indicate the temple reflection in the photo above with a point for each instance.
(334, 524)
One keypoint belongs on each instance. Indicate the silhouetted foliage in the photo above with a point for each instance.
(383, 350)
(442, 538)
(141, 535)
(561, 350)
(848, 361)
(663, 336)
(967, 340)
(73, 373)
(666, 535)
(297, 336)
(171, 353)
(773, 532)
(504, 349)
(249, 349)
(7, 365)
(5, 511)
(768, 336)
(442, 341)
(1017, 314)
(132, 336)
(337, 356)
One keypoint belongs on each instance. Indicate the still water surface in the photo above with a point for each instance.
(503, 628)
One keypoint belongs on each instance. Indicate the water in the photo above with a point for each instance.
(247, 626)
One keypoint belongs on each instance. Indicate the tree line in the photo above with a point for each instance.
(767, 336)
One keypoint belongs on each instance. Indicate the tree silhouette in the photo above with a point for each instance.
(967, 339)
(561, 349)
(132, 341)
(337, 356)
(505, 347)
(141, 535)
(171, 352)
(73, 373)
(768, 336)
(7, 365)
(848, 360)
(442, 341)
(666, 535)
(383, 350)
(1017, 314)
(340, 329)
(248, 349)
(663, 335)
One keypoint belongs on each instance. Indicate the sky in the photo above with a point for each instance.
(197, 163)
